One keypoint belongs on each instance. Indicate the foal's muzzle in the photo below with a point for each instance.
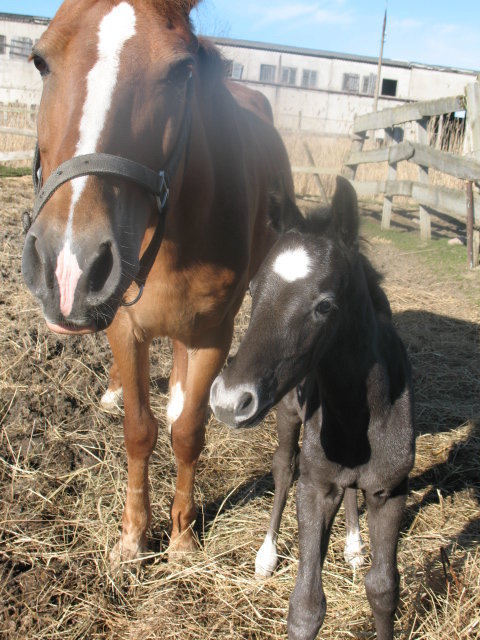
(243, 405)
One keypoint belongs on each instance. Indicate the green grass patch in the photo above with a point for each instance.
(14, 172)
(447, 262)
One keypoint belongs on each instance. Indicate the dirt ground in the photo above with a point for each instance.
(63, 470)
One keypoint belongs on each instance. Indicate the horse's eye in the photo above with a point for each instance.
(181, 71)
(323, 307)
(40, 64)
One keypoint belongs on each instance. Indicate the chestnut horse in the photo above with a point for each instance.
(135, 118)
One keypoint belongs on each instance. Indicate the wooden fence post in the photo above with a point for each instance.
(358, 140)
(472, 142)
(393, 135)
(425, 224)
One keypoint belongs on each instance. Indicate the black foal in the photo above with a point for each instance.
(320, 340)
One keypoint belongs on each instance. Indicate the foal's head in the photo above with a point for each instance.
(115, 76)
(309, 287)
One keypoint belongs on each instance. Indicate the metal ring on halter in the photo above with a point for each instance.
(139, 295)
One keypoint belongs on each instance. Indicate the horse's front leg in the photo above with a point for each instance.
(140, 432)
(188, 429)
(316, 509)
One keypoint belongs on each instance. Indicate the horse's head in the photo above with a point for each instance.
(116, 77)
(299, 300)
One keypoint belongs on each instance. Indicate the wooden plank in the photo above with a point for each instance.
(392, 154)
(27, 133)
(407, 112)
(9, 156)
(472, 132)
(424, 216)
(449, 163)
(367, 188)
(358, 141)
(316, 174)
(321, 171)
(394, 137)
(450, 201)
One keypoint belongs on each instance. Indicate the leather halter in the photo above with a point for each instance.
(106, 165)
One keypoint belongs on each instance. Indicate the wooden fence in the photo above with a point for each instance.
(460, 204)
(14, 120)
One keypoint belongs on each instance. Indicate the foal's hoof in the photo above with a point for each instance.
(127, 555)
(112, 399)
(266, 560)
(354, 552)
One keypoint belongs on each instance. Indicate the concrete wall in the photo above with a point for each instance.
(19, 80)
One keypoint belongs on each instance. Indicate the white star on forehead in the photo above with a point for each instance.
(292, 264)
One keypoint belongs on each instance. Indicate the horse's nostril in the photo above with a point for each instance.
(101, 268)
(246, 405)
(32, 265)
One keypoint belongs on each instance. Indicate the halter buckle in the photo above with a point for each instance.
(163, 193)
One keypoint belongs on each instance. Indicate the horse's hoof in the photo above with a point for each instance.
(112, 399)
(182, 546)
(126, 555)
(354, 552)
(266, 559)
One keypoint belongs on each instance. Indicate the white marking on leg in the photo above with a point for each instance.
(175, 405)
(354, 552)
(68, 274)
(267, 557)
(292, 264)
(115, 29)
(112, 398)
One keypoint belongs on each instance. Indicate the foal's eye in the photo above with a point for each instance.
(40, 64)
(323, 308)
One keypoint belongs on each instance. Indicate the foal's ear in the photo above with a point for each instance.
(345, 220)
(283, 213)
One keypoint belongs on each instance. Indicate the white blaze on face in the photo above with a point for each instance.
(115, 29)
(292, 264)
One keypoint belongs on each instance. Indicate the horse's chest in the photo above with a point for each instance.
(183, 305)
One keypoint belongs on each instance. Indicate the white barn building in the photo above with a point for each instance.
(309, 90)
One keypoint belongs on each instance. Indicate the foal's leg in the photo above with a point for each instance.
(113, 396)
(140, 431)
(354, 552)
(283, 467)
(188, 430)
(316, 509)
(381, 582)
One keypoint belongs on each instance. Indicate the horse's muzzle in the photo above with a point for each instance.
(78, 287)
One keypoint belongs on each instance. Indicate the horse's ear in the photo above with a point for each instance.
(283, 213)
(345, 220)
(188, 5)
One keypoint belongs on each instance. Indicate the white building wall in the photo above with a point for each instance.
(19, 80)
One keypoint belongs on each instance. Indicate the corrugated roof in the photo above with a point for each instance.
(332, 55)
(15, 17)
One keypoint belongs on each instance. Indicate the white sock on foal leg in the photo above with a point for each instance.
(267, 558)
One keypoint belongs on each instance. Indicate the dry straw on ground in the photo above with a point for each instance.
(62, 474)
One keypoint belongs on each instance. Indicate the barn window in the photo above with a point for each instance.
(234, 70)
(389, 87)
(351, 82)
(309, 78)
(267, 73)
(3, 44)
(289, 75)
(368, 84)
(20, 47)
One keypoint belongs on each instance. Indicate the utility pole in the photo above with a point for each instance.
(379, 69)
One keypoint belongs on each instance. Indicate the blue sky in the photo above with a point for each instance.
(438, 32)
